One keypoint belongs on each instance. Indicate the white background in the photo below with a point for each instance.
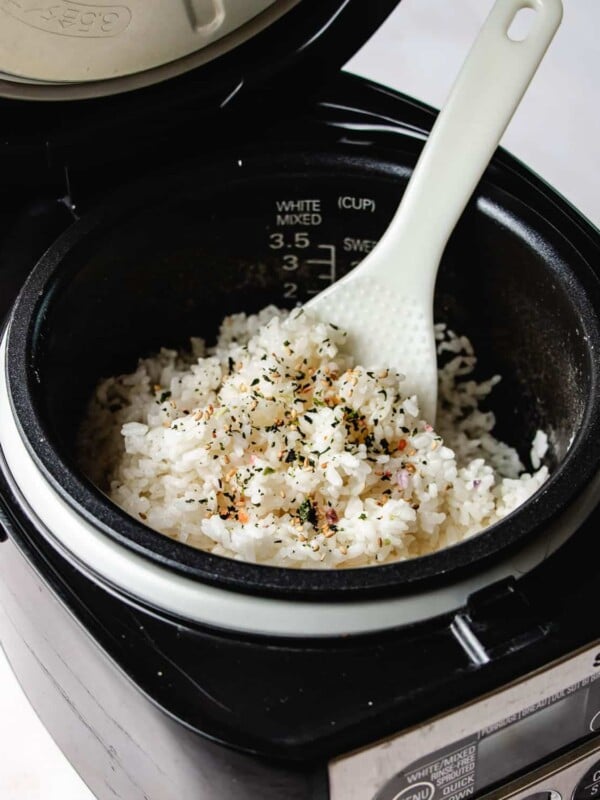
(556, 131)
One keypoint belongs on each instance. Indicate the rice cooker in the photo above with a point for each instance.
(162, 170)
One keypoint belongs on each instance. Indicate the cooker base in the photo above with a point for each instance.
(120, 742)
(151, 709)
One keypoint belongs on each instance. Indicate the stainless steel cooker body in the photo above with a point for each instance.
(71, 50)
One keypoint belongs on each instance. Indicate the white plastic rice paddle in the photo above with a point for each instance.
(386, 303)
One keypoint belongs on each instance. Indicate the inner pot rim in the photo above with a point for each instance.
(528, 521)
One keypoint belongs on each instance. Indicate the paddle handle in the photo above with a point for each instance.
(484, 97)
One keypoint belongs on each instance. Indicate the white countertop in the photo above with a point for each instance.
(556, 131)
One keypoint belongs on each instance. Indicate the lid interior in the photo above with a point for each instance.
(58, 42)
(66, 51)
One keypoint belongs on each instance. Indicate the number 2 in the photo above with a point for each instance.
(291, 290)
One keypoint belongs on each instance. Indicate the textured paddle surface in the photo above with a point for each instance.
(385, 329)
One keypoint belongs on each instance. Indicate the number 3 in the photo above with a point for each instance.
(290, 262)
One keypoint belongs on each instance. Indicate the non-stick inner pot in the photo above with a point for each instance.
(167, 262)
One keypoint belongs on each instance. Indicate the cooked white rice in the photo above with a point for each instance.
(273, 447)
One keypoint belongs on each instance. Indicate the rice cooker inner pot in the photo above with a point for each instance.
(167, 259)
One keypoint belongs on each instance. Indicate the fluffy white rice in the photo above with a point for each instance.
(273, 447)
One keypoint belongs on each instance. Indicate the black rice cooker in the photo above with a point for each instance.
(177, 190)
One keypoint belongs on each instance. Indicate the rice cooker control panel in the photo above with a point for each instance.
(573, 777)
(588, 787)
(472, 751)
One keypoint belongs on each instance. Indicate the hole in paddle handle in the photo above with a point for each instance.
(522, 24)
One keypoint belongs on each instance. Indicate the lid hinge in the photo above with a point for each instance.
(497, 621)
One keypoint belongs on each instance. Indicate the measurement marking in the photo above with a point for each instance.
(314, 291)
(326, 262)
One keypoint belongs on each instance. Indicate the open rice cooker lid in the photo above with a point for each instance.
(63, 50)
